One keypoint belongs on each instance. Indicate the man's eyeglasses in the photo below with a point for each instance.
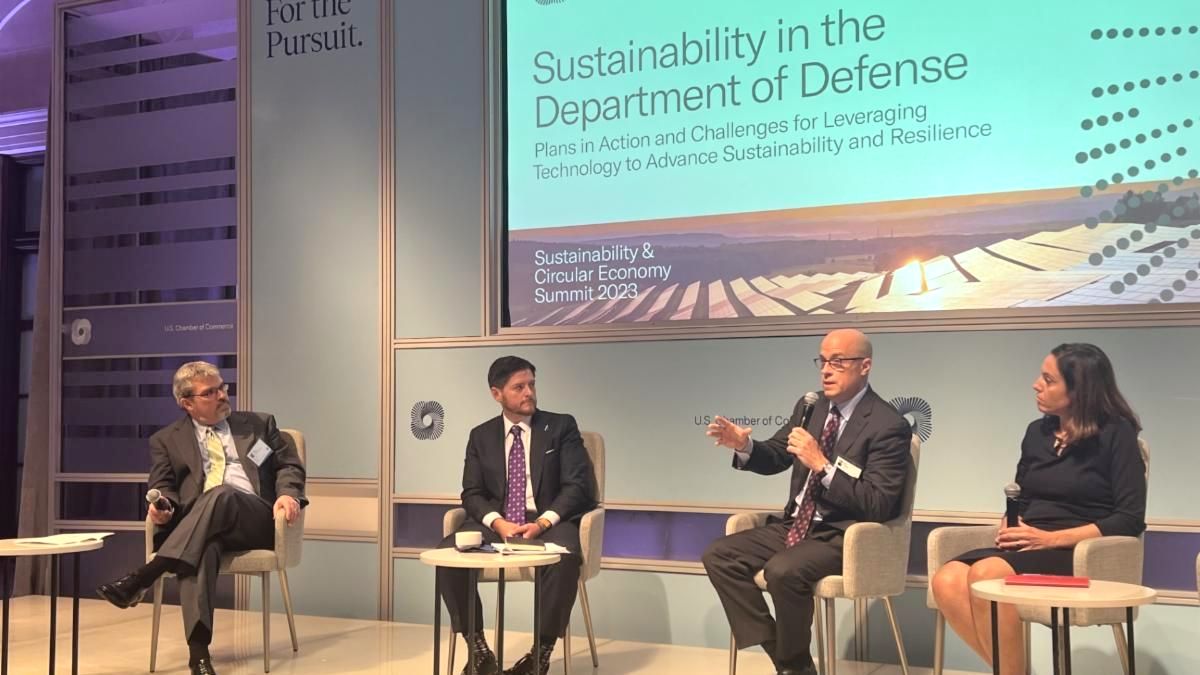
(837, 363)
(211, 393)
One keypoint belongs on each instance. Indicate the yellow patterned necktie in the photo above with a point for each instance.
(216, 460)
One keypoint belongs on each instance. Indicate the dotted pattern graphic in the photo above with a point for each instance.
(1144, 83)
(1161, 31)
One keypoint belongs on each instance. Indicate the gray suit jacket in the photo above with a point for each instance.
(178, 472)
(876, 440)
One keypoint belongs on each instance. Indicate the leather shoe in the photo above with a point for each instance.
(809, 668)
(482, 655)
(525, 666)
(203, 667)
(124, 592)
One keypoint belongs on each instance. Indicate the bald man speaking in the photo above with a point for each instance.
(849, 462)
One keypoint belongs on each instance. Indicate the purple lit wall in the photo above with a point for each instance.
(149, 237)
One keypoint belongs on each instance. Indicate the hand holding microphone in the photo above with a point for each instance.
(801, 444)
(161, 509)
(1012, 504)
(1014, 534)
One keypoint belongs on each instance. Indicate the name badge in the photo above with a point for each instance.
(845, 466)
(260, 452)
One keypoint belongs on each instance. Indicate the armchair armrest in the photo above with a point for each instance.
(1110, 559)
(747, 520)
(591, 542)
(288, 540)
(453, 520)
(869, 566)
(946, 543)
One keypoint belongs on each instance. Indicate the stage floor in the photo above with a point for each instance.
(117, 642)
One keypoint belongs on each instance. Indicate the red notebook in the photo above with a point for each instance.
(1046, 580)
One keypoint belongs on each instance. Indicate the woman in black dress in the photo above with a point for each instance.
(1081, 476)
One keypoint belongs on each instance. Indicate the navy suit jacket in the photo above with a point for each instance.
(559, 468)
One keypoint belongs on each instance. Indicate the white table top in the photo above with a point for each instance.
(11, 548)
(1100, 594)
(449, 557)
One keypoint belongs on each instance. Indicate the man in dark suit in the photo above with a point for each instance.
(224, 476)
(849, 464)
(526, 474)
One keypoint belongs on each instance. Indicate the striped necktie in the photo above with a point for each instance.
(216, 460)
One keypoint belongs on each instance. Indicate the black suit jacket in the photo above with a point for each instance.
(559, 468)
(876, 440)
(178, 471)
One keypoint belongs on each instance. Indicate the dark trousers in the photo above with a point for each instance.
(733, 561)
(559, 581)
(222, 519)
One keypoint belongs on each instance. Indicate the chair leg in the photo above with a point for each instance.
(830, 638)
(287, 606)
(732, 655)
(587, 620)
(939, 642)
(820, 625)
(154, 623)
(265, 579)
(450, 657)
(1122, 647)
(566, 644)
(887, 604)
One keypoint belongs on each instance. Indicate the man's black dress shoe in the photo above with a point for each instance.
(526, 666)
(203, 667)
(124, 592)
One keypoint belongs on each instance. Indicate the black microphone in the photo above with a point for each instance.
(1012, 505)
(154, 496)
(807, 407)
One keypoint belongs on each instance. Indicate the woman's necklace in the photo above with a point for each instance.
(1060, 442)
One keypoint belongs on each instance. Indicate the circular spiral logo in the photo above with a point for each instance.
(918, 412)
(81, 332)
(428, 420)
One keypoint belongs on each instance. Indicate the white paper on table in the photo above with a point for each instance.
(550, 548)
(64, 539)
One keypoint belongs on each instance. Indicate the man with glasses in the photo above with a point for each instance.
(849, 464)
(223, 476)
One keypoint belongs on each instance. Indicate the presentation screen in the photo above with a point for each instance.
(687, 160)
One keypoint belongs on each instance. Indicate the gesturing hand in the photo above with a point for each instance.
(727, 433)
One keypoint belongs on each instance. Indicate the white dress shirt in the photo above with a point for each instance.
(527, 441)
(235, 476)
(846, 410)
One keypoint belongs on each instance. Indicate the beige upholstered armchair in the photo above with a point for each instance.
(591, 540)
(1104, 558)
(874, 565)
(259, 562)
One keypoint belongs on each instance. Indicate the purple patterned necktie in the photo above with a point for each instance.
(514, 504)
(808, 505)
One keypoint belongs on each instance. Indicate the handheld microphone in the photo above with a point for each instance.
(807, 408)
(154, 496)
(1012, 499)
